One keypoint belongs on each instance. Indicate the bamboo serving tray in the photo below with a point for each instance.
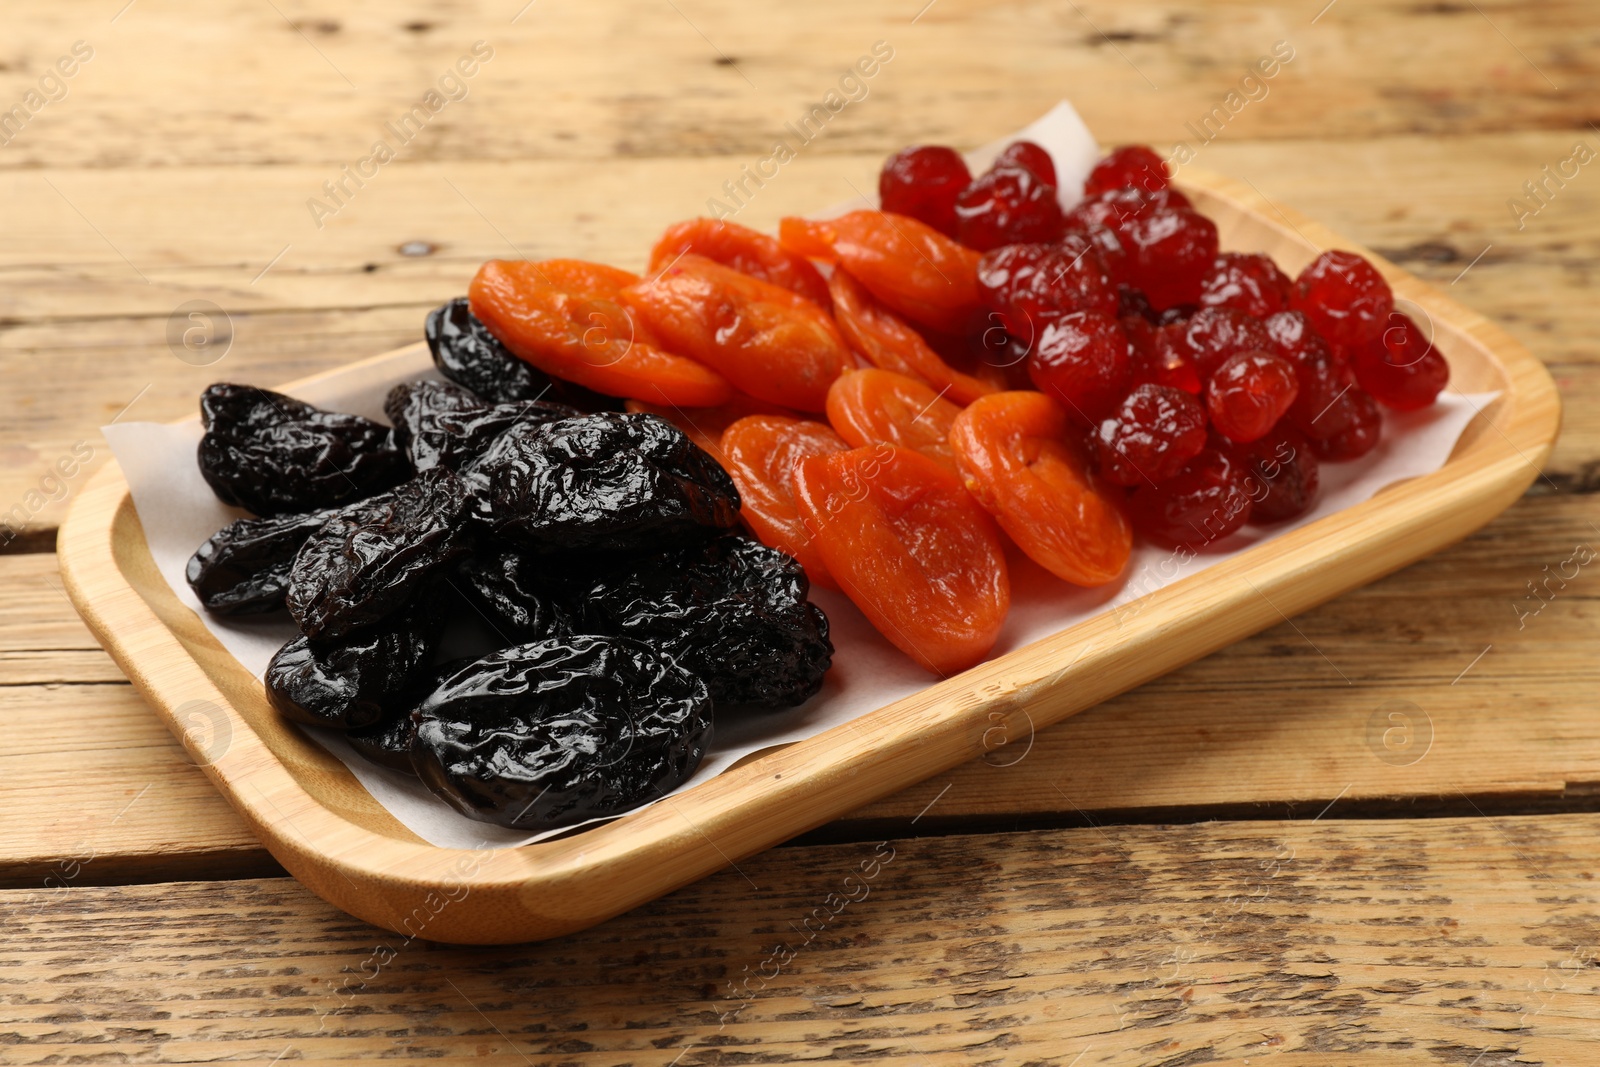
(324, 827)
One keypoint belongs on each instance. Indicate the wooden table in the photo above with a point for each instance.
(1224, 865)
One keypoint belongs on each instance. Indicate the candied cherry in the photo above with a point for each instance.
(1116, 209)
(1205, 502)
(1249, 393)
(1134, 165)
(1246, 281)
(1008, 205)
(1402, 369)
(1084, 361)
(1213, 335)
(1161, 355)
(1029, 155)
(1345, 298)
(1029, 285)
(1363, 425)
(923, 182)
(1151, 436)
(1169, 253)
(1281, 475)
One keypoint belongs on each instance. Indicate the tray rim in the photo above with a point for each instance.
(542, 890)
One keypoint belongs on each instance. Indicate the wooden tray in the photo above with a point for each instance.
(311, 813)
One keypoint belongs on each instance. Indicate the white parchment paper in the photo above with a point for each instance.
(179, 512)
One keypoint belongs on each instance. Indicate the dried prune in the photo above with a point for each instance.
(352, 683)
(244, 568)
(372, 557)
(732, 611)
(518, 602)
(468, 354)
(438, 424)
(387, 742)
(274, 455)
(603, 483)
(550, 733)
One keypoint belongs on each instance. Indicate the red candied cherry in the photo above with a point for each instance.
(1131, 301)
(1160, 356)
(1345, 298)
(1363, 426)
(923, 181)
(1402, 369)
(1008, 205)
(1249, 393)
(1029, 286)
(1029, 155)
(1083, 361)
(1318, 411)
(1212, 335)
(1252, 283)
(1117, 208)
(1151, 436)
(1282, 475)
(1106, 244)
(1169, 253)
(1134, 165)
(1203, 503)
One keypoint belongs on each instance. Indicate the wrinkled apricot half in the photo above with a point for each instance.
(888, 342)
(760, 452)
(867, 406)
(744, 250)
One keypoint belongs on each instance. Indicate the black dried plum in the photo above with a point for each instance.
(274, 455)
(468, 354)
(439, 424)
(352, 683)
(603, 483)
(511, 592)
(551, 733)
(386, 742)
(731, 610)
(372, 557)
(244, 568)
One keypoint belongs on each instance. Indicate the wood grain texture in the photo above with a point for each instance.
(1401, 942)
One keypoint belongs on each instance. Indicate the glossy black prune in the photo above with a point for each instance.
(731, 610)
(274, 455)
(468, 354)
(354, 682)
(386, 742)
(603, 483)
(513, 596)
(440, 424)
(244, 568)
(370, 558)
(550, 733)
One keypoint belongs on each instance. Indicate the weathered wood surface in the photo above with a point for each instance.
(1448, 941)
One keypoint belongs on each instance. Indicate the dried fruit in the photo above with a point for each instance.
(1135, 166)
(1248, 282)
(437, 424)
(1151, 437)
(1345, 298)
(1161, 355)
(911, 548)
(243, 569)
(387, 742)
(1008, 205)
(1281, 476)
(1117, 209)
(1318, 409)
(1363, 426)
(1169, 253)
(468, 354)
(731, 611)
(1249, 393)
(1030, 286)
(705, 426)
(760, 452)
(273, 455)
(1015, 459)
(603, 483)
(1402, 369)
(551, 733)
(349, 683)
(742, 249)
(888, 342)
(374, 557)
(868, 406)
(1029, 155)
(513, 594)
(1214, 335)
(1083, 361)
(1204, 503)
(922, 182)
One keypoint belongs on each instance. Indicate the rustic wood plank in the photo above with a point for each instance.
(1420, 941)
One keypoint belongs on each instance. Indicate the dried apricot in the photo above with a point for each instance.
(912, 549)
(744, 250)
(867, 406)
(888, 342)
(1016, 460)
(760, 452)
(769, 342)
(912, 267)
(585, 335)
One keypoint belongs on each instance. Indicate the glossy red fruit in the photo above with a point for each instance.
(1083, 361)
(1317, 411)
(1363, 426)
(923, 181)
(1130, 165)
(1029, 155)
(1118, 208)
(1161, 355)
(1030, 286)
(1402, 369)
(1213, 335)
(1169, 253)
(1281, 476)
(1008, 205)
(1152, 435)
(1202, 504)
(1251, 283)
(1345, 298)
(1249, 393)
